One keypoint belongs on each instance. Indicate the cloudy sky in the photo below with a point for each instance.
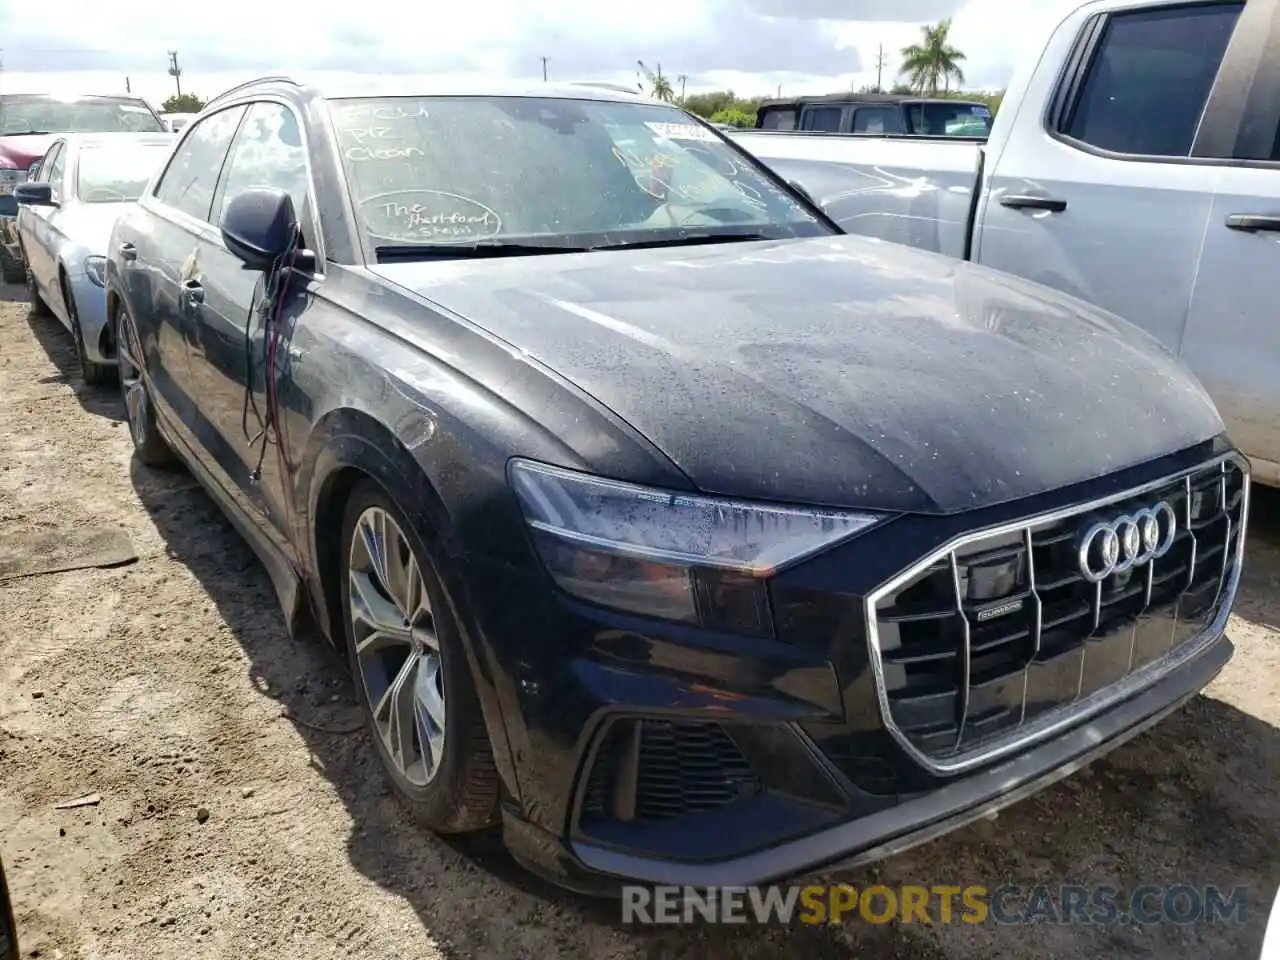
(751, 46)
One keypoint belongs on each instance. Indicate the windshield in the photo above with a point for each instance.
(116, 173)
(551, 171)
(45, 114)
(958, 119)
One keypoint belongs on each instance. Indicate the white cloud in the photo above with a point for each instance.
(752, 46)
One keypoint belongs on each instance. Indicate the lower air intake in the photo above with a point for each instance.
(654, 770)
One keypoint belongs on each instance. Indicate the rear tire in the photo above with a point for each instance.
(92, 372)
(12, 270)
(34, 301)
(148, 445)
(431, 739)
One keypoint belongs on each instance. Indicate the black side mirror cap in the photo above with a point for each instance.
(260, 227)
(34, 194)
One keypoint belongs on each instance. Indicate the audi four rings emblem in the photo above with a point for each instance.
(1127, 541)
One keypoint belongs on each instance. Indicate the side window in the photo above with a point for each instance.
(55, 168)
(190, 179)
(826, 119)
(778, 118)
(876, 120)
(1149, 79)
(46, 162)
(268, 152)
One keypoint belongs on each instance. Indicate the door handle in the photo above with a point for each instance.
(128, 252)
(1253, 222)
(194, 292)
(1021, 202)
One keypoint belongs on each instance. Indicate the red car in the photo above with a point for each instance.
(29, 122)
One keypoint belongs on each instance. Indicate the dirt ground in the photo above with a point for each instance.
(169, 686)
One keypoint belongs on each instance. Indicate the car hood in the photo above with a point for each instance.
(841, 370)
(25, 150)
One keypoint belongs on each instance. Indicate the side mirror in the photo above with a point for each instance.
(801, 189)
(34, 194)
(8, 930)
(260, 226)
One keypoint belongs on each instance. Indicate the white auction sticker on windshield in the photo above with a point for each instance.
(681, 131)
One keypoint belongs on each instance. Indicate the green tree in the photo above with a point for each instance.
(660, 87)
(934, 62)
(182, 103)
(734, 117)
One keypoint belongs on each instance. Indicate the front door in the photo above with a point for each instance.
(38, 252)
(231, 352)
(1101, 200)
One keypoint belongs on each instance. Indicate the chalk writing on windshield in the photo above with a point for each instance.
(361, 154)
(384, 111)
(429, 216)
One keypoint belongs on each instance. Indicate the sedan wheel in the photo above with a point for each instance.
(148, 444)
(34, 301)
(397, 650)
(411, 668)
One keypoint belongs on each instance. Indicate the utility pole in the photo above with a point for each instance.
(127, 88)
(544, 69)
(683, 78)
(175, 71)
(880, 69)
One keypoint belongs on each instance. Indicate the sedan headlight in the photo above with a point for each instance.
(680, 556)
(95, 269)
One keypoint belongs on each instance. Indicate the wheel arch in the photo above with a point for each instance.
(346, 446)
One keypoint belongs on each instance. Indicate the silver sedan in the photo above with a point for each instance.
(65, 215)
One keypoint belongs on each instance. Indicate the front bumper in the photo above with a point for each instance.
(894, 830)
(91, 308)
(636, 749)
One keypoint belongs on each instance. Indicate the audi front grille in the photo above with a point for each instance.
(1005, 636)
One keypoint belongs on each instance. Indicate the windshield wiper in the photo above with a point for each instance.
(459, 251)
(25, 133)
(685, 240)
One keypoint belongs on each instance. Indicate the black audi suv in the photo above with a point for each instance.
(686, 537)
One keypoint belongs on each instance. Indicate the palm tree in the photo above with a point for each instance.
(660, 87)
(934, 61)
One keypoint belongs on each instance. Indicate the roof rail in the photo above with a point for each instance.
(251, 83)
(603, 85)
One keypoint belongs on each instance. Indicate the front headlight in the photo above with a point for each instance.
(679, 556)
(95, 269)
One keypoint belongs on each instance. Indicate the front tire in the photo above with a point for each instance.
(148, 445)
(411, 671)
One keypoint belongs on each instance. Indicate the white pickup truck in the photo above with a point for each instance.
(1134, 162)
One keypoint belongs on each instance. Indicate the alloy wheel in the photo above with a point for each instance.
(132, 388)
(397, 649)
